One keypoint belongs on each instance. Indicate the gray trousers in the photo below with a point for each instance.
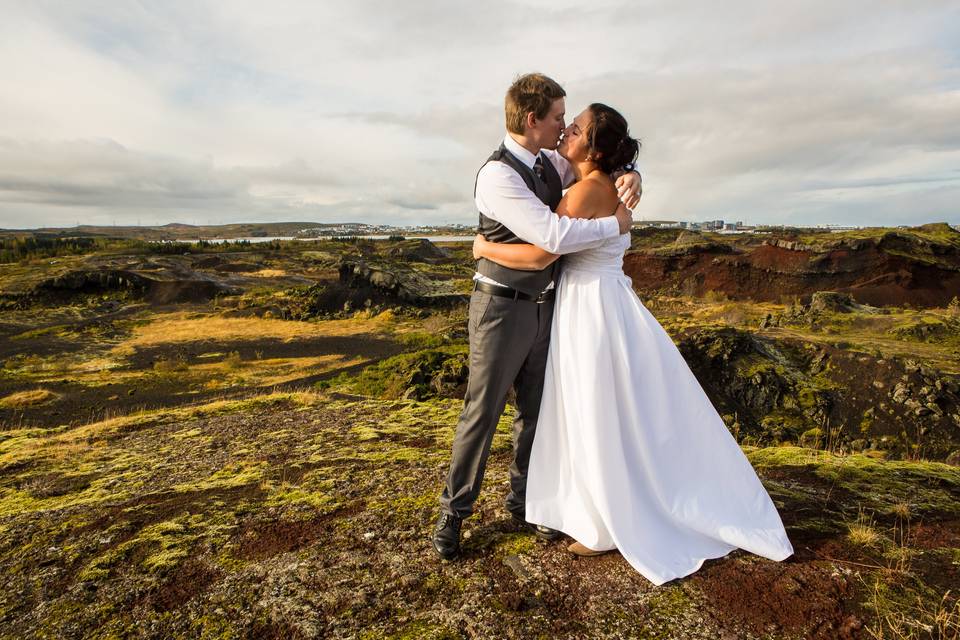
(509, 340)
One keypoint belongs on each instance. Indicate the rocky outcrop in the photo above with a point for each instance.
(418, 250)
(160, 286)
(398, 283)
(428, 373)
(371, 285)
(896, 268)
(837, 302)
(936, 331)
(776, 391)
(768, 393)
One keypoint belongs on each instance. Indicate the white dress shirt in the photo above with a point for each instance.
(503, 196)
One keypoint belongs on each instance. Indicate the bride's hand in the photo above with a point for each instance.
(478, 243)
(630, 188)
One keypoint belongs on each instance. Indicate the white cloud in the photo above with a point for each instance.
(806, 112)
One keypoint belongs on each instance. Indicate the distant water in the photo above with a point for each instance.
(383, 237)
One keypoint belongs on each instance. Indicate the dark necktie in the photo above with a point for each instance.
(538, 169)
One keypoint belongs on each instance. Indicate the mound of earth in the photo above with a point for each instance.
(376, 285)
(837, 302)
(418, 250)
(159, 285)
(399, 283)
(308, 516)
(919, 267)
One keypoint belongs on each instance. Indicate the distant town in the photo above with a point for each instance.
(716, 226)
(266, 231)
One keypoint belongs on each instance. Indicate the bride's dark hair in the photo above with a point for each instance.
(610, 141)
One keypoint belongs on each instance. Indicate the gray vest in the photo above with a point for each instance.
(549, 192)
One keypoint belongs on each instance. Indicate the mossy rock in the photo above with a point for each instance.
(427, 373)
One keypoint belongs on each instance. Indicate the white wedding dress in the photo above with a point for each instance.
(629, 452)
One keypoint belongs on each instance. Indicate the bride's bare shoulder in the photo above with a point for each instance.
(593, 197)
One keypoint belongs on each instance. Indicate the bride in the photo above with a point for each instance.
(629, 453)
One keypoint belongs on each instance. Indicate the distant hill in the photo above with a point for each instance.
(173, 231)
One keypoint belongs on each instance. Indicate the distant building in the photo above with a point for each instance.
(838, 227)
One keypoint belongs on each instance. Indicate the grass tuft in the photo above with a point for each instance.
(901, 510)
(862, 532)
(28, 398)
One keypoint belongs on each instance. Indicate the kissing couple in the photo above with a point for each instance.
(615, 442)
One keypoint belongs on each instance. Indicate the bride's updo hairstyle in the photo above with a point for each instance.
(610, 141)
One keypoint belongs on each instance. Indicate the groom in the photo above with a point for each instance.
(517, 190)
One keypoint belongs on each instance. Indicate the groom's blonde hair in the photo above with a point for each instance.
(533, 92)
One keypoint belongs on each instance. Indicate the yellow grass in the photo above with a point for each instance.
(187, 327)
(216, 374)
(21, 445)
(269, 273)
(902, 510)
(278, 370)
(862, 532)
(28, 398)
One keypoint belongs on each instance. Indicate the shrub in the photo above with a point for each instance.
(810, 438)
(421, 340)
(420, 375)
(233, 360)
(167, 365)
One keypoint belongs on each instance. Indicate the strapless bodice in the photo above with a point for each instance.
(607, 258)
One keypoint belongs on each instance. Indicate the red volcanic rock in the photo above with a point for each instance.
(895, 268)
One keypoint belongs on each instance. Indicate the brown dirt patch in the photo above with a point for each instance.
(188, 580)
(791, 597)
(935, 535)
(49, 485)
(261, 539)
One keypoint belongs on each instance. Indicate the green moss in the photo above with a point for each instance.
(233, 475)
(866, 421)
(14, 502)
(292, 494)
(416, 630)
(421, 340)
(164, 545)
(425, 373)
(811, 437)
(903, 607)
(515, 544)
(36, 333)
(861, 481)
(668, 606)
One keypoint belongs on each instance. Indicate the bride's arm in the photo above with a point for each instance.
(525, 257)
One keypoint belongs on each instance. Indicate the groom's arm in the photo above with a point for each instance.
(502, 195)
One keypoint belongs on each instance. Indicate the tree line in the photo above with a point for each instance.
(26, 248)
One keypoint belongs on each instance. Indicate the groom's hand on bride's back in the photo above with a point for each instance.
(624, 218)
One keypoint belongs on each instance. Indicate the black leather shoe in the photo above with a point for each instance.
(446, 537)
(542, 532)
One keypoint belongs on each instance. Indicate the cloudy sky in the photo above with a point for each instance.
(211, 112)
